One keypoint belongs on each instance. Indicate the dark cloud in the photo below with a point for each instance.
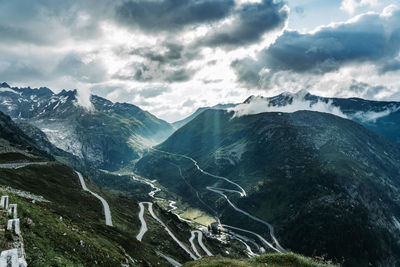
(74, 65)
(250, 22)
(171, 15)
(366, 90)
(174, 54)
(371, 38)
(154, 73)
(181, 75)
(167, 62)
(390, 65)
(50, 22)
(247, 71)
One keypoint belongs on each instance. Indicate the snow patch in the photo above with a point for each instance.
(58, 103)
(63, 99)
(33, 98)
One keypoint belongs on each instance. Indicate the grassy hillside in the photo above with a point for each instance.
(53, 240)
(80, 211)
(320, 180)
(273, 260)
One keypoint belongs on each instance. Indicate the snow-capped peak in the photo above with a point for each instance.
(298, 95)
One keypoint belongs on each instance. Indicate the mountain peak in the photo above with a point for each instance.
(298, 95)
(301, 94)
(253, 98)
(4, 84)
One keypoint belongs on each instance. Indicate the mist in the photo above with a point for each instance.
(83, 99)
(373, 116)
(260, 105)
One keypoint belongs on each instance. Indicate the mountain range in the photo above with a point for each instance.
(107, 135)
(295, 172)
(382, 117)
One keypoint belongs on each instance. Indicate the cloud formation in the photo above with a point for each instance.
(258, 105)
(171, 15)
(249, 23)
(372, 38)
(48, 22)
(153, 72)
(351, 5)
(166, 62)
(373, 116)
(261, 105)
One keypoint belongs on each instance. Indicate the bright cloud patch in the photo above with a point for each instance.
(260, 105)
(372, 116)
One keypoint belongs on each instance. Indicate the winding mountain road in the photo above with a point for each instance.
(191, 239)
(143, 227)
(200, 241)
(169, 231)
(169, 259)
(251, 232)
(242, 193)
(249, 251)
(107, 212)
(172, 205)
(155, 188)
(279, 248)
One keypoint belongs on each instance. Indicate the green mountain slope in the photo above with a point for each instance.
(274, 260)
(328, 185)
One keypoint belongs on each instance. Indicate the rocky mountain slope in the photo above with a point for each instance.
(328, 185)
(108, 135)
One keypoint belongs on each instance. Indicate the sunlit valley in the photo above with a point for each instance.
(199, 133)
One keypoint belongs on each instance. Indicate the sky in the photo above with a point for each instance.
(171, 57)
